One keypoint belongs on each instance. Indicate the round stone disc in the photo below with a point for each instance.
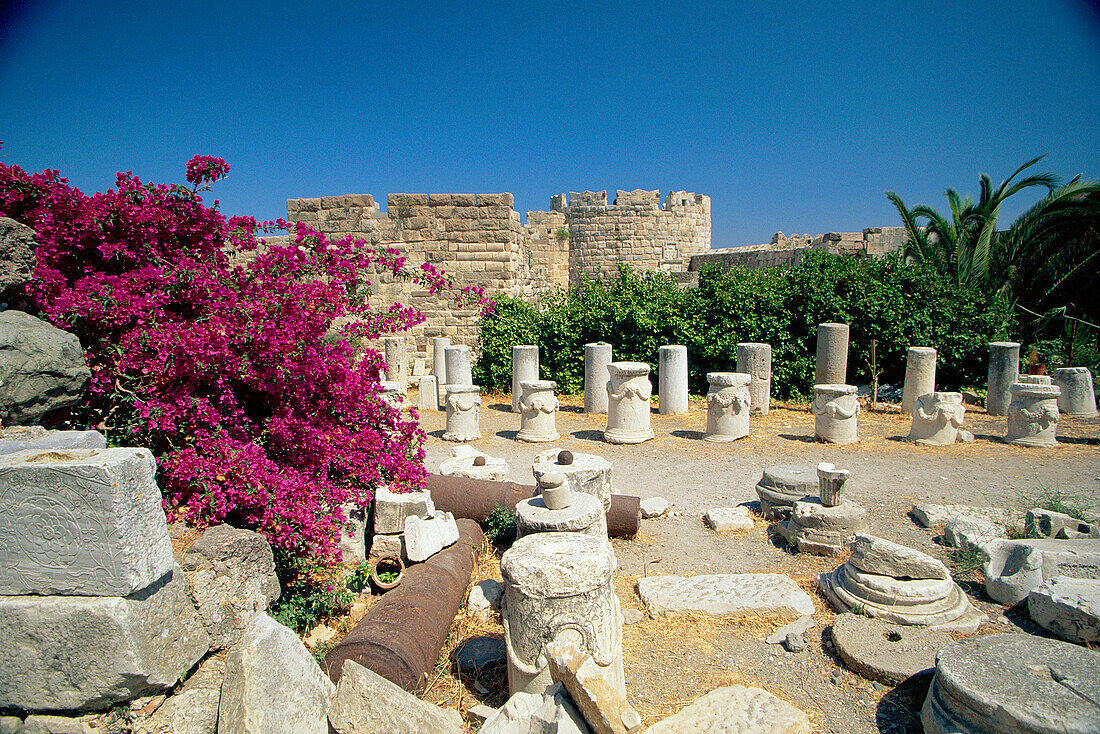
(790, 479)
(888, 653)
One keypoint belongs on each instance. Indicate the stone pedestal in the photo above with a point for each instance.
(830, 484)
(538, 411)
(463, 412)
(585, 473)
(728, 404)
(1004, 369)
(597, 355)
(832, 354)
(584, 514)
(628, 393)
(672, 387)
(920, 376)
(466, 461)
(783, 485)
(458, 365)
(937, 417)
(525, 368)
(835, 409)
(820, 530)
(397, 361)
(1033, 415)
(427, 396)
(755, 358)
(557, 586)
(1077, 397)
(439, 365)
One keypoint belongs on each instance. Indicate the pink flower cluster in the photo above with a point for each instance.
(222, 369)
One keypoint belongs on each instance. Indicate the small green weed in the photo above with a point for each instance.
(500, 526)
(360, 577)
(1057, 500)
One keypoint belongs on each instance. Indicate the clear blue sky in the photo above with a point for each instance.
(791, 116)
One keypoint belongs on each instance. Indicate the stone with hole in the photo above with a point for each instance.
(886, 652)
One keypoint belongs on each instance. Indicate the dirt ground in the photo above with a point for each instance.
(670, 663)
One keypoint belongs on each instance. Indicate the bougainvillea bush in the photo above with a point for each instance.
(228, 372)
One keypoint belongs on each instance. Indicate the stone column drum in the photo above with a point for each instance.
(457, 358)
(584, 473)
(832, 354)
(728, 406)
(538, 411)
(397, 361)
(835, 409)
(1004, 370)
(439, 365)
(584, 514)
(628, 393)
(672, 382)
(525, 366)
(597, 355)
(937, 417)
(1033, 414)
(557, 586)
(755, 358)
(920, 376)
(463, 413)
(830, 484)
(1078, 396)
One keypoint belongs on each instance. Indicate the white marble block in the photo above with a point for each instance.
(937, 417)
(755, 358)
(1032, 414)
(831, 366)
(538, 409)
(597, 355)
(728, 405)
(457, 361)
(1077, 396)
(1004, 369)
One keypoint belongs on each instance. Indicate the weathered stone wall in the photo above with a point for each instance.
(549, 248)
(786, 251)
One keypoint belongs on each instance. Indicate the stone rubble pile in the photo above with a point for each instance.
(824, 525)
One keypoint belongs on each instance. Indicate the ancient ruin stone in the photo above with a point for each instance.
(426, 537)
(1077, 396)
(85, 522)
(1070, 608)
(1012, 568)
(1004, 369)
(888, 653)
(463, 413)
(41, 368)
(974, 533)
(1047, 524)
(920, 377)
(525, 368)
(37, 438)
(756, 359)
(835, 410)
(652, 507)
(584, 514)
(937, 417)
(538, 409)
(194, 708)
(367, 703)
(396, 352)
(485, 596)
(886, 558)
(427, 395)
(68, 653)
(269, 657)
(1032, 415)
(728, 404)
(783, 485)
(831, 366)
(467, 461)
(672, 387)
(819, 530)
(725, 519)
(535, 713)
(736, 709)
(728, 593)
(584, 473)
(17, 260)
(1010, 683)
(391, 508)
(602, 705)
(558, 586)
(439, 365)
(830, 484)
(457, 360)
(628, 394)
(928, 515)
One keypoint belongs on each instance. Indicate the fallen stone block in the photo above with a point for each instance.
(231, 577)
(466, 461)
(46, 724)
(478, 653)
(425, 538)
(736, 709)
(37, 438)
(1047, 524)
(485, 596)
(1070, 608)
(480, 713)
(194, 708)
(927, 514)
(367, 703)
(70, 653)
(876, 555)
(81, 522)
(782, 485)
(353, 534)
(653, 507)
(719, 594)
(886, 652)
(391, 509)
(386, 544)
(270, 658)
(725, 519)
(602, 705)
(1012, 568)
(537, 713)
(972, 533)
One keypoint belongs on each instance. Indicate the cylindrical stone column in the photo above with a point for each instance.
(584, 514)
(628, 393)
(728, 406)
(557, 586)
(937, 417)
(835, 409)
(463, 413)
(397, 359)
(830, 484)
(427, 397)
(832, 354)
(538, 411)
(458, 365)
(439, 365)
(920, 376)
(597, 355)
(755, 358)
(1033, 414)
(1004, 370)
(672, 383)
(1078, 396)
(525, 366)
(584, 473)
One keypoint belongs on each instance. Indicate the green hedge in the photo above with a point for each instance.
(884, 300)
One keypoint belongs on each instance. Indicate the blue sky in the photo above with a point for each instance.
(793, 117)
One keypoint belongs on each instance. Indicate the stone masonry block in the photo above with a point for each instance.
(463, 199)
(391, 509)
(85, 522)
(333, 202)
(64, 653)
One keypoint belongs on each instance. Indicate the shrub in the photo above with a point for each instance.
(223, 370)
(500, 526)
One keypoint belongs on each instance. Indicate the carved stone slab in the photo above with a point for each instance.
(728, 593)
(84, 522)
(736, 709)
